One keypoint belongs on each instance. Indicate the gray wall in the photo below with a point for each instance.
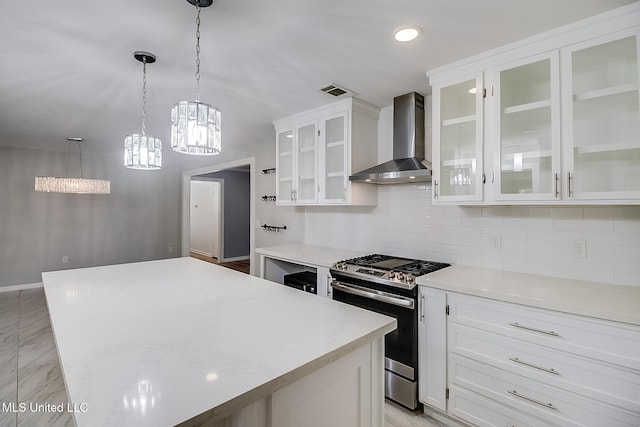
(138, 221)
(237, 212)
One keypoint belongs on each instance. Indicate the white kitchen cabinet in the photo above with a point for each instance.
(602, 116)
(458, 140)
(508, 364)
(432, 348)
(521, 127)
(554, 119)
(333, 162)
(296, 164)
(326, 145)
(285, 166)
(524, 137)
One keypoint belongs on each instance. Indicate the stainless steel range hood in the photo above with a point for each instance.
(408, 164)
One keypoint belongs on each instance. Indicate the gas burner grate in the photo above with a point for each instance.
(368, 259)
(420, 268)
(398, 264)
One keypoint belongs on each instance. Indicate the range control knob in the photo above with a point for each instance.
(400, 277)
(392, 274)
(410, 279)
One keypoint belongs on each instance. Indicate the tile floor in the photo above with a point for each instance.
(29, 367)
(30, 371)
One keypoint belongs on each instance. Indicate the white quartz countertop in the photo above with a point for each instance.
(309, 255)
(157, 343)
(599, 300)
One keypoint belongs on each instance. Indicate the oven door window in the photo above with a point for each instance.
(399, 345)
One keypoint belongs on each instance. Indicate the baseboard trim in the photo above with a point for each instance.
(237, 258)
(196, 251)
(24, 287)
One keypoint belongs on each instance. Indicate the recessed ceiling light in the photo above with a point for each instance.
(472, 90)
(406, 34)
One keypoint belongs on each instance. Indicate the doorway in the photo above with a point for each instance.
(205, 237)
(236, 245)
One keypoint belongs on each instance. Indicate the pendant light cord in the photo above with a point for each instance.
(69, 157)
(80, 149)
(144, 95)
(198, 51)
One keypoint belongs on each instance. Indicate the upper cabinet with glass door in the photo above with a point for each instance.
(307, 163)
(602, 117)
(335, 171)
(525, 134)
(329, 144)
(458, 141)
(296, 164)
(284, 166)
(561, 122)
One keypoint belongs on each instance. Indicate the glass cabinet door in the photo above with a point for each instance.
(458, 124)
(335, 173)
(602, 107)
(284, 167)
(527, 96)
(307, 150)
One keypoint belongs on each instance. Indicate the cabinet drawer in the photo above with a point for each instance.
(480, 411)
(613, 342)
(590, 378)
(532, 397)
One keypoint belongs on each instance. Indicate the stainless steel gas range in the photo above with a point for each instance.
(387, 285)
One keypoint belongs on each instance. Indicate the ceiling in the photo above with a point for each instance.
(67, 67)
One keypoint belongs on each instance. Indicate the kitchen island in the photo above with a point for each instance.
(185, 342)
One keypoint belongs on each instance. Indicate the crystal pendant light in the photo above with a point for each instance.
(195, 126)
(51, 184)
(142, 151)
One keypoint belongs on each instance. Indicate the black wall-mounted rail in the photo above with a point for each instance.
(274, 228)
(268, 171)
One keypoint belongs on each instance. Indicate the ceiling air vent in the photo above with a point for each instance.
(335, 90)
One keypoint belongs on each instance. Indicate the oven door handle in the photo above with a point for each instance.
(373, 294)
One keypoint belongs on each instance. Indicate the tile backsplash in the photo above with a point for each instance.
(539, 240)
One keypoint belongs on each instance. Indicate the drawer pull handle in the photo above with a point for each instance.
(549, 370)
(532, 400)
(528, 328)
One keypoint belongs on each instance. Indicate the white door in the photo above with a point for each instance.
(205, 218)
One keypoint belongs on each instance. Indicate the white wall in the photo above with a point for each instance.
(533, 239)
(138, 221)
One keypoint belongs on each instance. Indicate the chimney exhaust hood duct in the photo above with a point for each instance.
(408, 164)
